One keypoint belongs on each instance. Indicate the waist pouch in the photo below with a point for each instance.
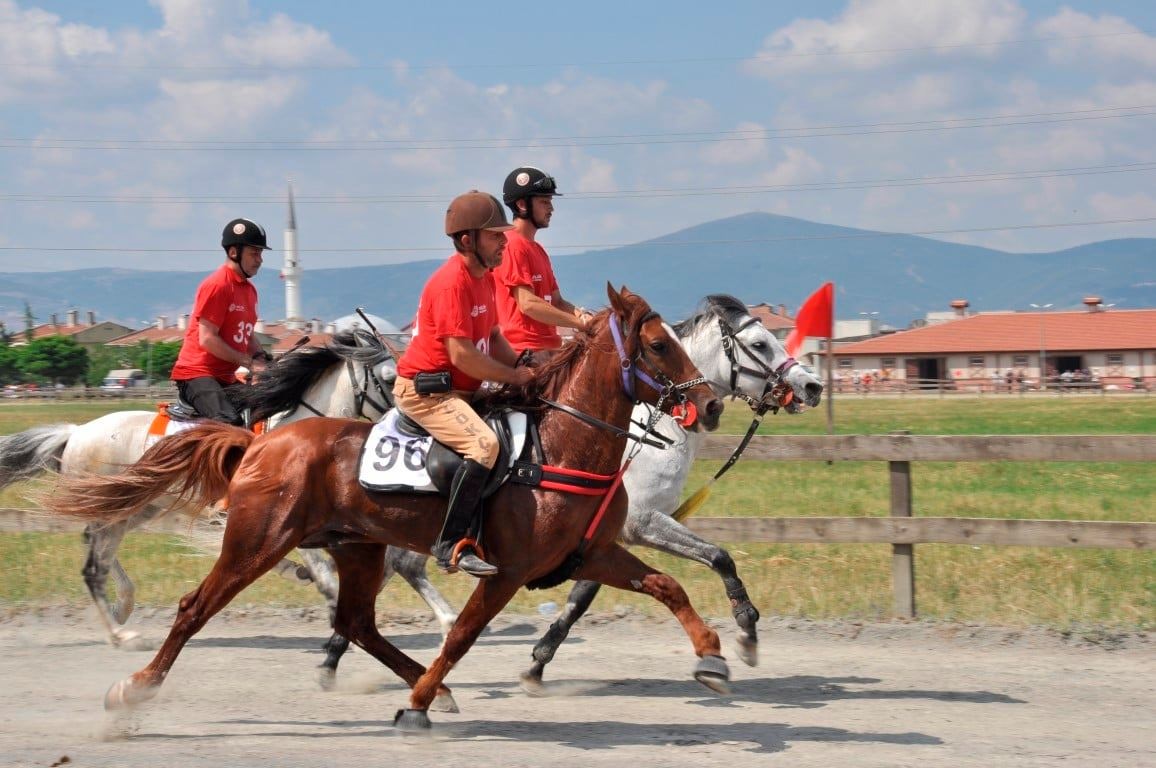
(436, 383)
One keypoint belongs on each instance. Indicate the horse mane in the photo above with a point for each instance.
(282, 385)
(552, 376)
(712, 307)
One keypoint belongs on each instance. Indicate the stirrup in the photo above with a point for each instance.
(470, 551)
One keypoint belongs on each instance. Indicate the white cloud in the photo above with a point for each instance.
(748, 145)
(1136, 206)
(1096, 40)
(887, 31)
(797, 167)
(215, 108)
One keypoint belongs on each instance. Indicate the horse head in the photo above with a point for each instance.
(655, 367)
(750, 362)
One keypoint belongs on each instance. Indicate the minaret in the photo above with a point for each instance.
(291, 272)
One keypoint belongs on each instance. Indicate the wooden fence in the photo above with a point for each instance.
(901, 530)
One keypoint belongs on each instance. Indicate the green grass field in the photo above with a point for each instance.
(1066, 588)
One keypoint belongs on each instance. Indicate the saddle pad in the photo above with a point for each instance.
(163, 426)
(395, 461)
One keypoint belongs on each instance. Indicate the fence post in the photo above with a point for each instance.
(902, 555)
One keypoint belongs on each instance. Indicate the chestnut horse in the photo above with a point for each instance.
(297, 486)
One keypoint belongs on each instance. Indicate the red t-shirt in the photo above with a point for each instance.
(525, 262)
(453, 303)
(228, 301)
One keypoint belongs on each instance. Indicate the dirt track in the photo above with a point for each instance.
(245, 694)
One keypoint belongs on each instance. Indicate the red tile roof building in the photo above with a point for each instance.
(1117, 347)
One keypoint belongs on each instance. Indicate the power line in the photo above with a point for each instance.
(440, 198)
(473, 65)
(598, 246)
(646, 139)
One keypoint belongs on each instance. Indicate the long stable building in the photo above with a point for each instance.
(1115, 347)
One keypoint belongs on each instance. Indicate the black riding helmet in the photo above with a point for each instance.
(524, 183)
(241, 232)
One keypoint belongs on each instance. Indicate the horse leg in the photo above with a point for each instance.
(665, 534)
(411, 566)
(362, 570)
(249, 551)
(103, 542)
(578, 602)
(320, 569)
(615, 567)
(488, 599)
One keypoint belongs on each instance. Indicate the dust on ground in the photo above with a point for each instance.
(244, 693)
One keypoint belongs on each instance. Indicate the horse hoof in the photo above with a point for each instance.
(712, 671)
(747, 648)
(327, 678)
(125, 695)
(532, 683)
(412, 721)
(444, 702)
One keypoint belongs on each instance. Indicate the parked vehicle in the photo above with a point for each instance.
(124, 378)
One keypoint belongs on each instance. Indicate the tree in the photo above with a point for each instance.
(163, 358)
(55, 358)
(9, 364)
(104, 359)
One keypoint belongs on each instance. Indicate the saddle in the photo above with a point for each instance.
(400, 456)
(179, 416)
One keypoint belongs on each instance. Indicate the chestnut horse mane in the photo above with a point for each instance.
(552, 376)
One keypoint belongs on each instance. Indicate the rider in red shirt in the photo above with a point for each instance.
(220, 335)
(456, 345)
(530, 306)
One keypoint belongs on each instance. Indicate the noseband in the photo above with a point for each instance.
(656, 379)
(631, 371)
(777, 392)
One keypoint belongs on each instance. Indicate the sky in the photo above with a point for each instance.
(130, 132)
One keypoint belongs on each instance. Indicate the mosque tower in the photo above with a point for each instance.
(291, 272)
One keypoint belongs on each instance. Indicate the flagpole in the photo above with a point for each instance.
(830, 389)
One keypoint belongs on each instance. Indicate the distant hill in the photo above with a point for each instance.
(758, 257)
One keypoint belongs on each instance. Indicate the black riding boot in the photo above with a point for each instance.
(465, 505)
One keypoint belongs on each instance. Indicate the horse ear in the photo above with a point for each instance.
(616, 302)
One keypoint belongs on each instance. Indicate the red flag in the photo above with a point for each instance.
(816, 318)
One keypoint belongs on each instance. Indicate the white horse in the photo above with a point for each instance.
(351, 377)
(742, 359)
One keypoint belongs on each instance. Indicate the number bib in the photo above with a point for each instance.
(395, 461)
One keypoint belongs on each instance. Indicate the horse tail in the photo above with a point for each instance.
(32, 452)
(194, 465)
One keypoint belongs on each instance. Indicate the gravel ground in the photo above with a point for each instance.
(245, 693)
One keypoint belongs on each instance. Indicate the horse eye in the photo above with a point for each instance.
(759, 345)
(658, 347)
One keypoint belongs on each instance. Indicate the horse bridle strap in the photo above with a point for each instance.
(632, 371)
(594, 421)
(773, 379)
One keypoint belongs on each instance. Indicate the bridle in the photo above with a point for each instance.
(633, 372)
(368, 390)
(777, 391)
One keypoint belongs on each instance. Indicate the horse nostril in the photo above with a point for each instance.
(714, 407)
(814, 392)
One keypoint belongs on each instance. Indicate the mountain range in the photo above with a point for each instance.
(757, 257)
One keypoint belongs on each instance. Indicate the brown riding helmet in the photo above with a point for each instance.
(475, 210)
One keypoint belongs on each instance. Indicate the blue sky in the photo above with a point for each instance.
(131, 131)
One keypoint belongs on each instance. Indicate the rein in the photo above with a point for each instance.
(657, 380)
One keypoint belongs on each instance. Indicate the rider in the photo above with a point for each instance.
(220, 335)
(457, 343)
(530, 306)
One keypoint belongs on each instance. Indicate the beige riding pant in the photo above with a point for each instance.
(451, 420)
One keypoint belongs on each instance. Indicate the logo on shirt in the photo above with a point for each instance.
(536, 279)
(478, 309)
(236, 307)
